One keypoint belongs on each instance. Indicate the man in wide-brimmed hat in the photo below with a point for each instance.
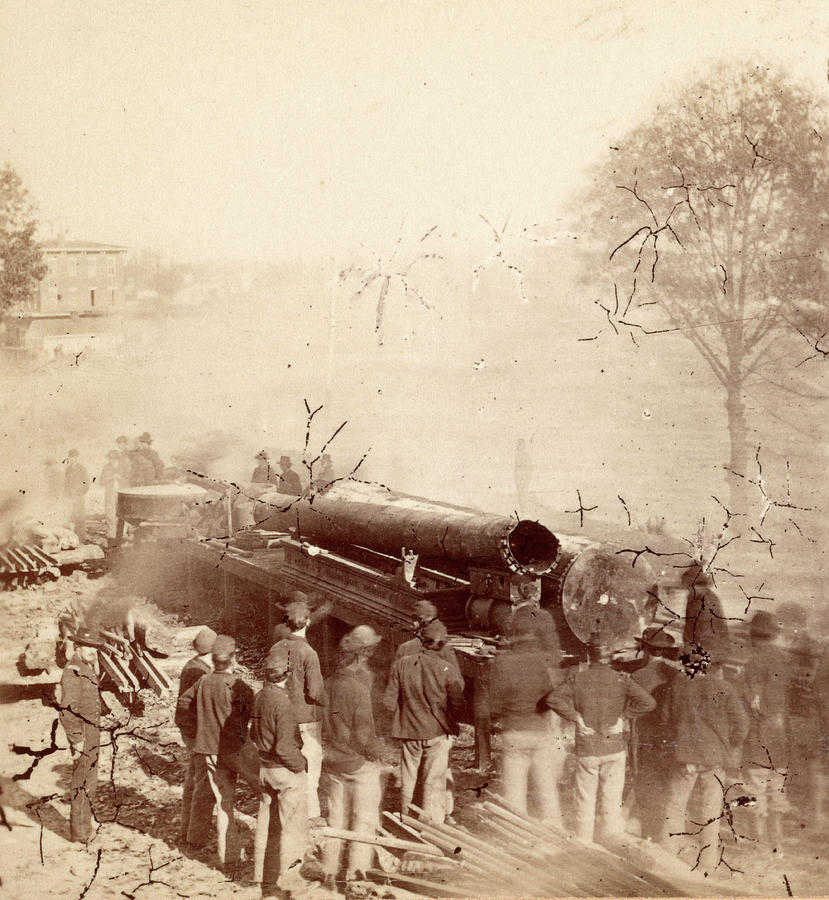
(80, 717)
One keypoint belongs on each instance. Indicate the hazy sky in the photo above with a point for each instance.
(272, 128)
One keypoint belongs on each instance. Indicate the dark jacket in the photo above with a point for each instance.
(601, 695)
(185, 716)
(415, 645)
(518, 683)
(529, 617)
(765, 682)
(80, 700)
(424, 692)
(264, 474)
(142, 470)
(289, 483)
(707, 721)
(349, 738)
(223, 705)
(275, 730)
(306, 687)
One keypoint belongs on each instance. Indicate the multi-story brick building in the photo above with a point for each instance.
(81, 276)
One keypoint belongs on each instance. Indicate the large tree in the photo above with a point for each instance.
(21, 259)
(712, 219)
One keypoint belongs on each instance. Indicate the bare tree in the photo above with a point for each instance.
(713, 219)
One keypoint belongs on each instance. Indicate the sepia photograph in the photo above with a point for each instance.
(413, 463)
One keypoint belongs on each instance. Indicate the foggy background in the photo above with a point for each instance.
(295, 142)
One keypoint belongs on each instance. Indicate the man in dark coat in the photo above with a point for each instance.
(263, 473)
(650, 753)
(351, 753)
(424, 693)
(708, 723)
(223, 704)
(766, 750)
(201, 664)
(532, 760)
(80, 717)
(307, 692)
(282, 822)
(289, 482)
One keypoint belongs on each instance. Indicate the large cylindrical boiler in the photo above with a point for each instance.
(387, 521)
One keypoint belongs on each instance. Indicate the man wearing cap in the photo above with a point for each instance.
(282, 822)
(598, 699)
(306, 690)
(531, 767)
(80, 717)
(650, 752)
(185, 718)
(424, 693)
(289, 482)
(263, 473)
(76, 486)
(707, 725)
(352, 753)
(223, 704)
(765, 754)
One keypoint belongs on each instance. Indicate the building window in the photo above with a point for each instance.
(91, 265)
(112, 296)
(111, 268)
(54, 296)
(92, 296)
(73, 266)
(52, 265)
(73, 296)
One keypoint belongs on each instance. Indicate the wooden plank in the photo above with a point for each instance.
(420, 885)
(380, 840)
(153, 682)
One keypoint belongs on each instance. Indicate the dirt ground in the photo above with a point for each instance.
(133, 852)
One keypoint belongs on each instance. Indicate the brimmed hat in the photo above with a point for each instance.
(224, 647)
(657, 637)
(87, 637)
(425, 610)
(764, 625)
(285, 459)
(360, 638)
(205, 640)
(434, 631)
(278, 660)
(145, 438)
(297, 612)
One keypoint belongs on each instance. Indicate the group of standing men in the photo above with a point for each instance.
(128, 464)
(300, 736)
